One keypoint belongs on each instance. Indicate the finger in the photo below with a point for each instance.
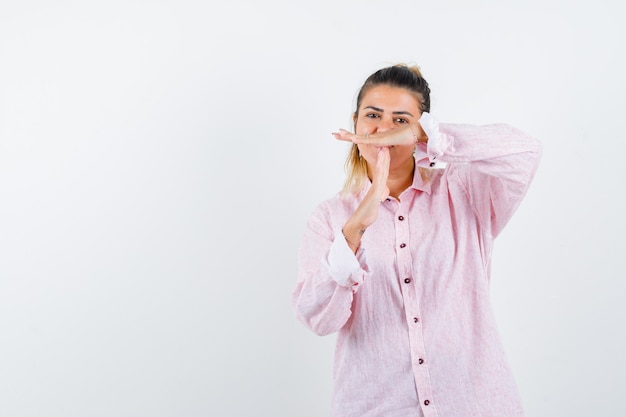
(378, 139)
(342, 138)
(383, 161)
(344, 135)
(398, 136)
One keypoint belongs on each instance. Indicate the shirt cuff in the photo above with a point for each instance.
(343, 266)
(438, 143)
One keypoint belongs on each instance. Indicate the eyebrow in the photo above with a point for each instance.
(382, 111)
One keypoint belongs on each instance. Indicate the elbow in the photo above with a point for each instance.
(324, 309)
(321, 327)
(321, 321)
(533, 144)
(537, 147)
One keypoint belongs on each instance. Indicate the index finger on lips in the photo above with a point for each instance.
(383, 160)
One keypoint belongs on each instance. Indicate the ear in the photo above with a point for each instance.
(354, 117)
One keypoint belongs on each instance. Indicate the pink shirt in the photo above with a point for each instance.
(416, 331)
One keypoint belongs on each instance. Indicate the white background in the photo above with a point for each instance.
(158, 162)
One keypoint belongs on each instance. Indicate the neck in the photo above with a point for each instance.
(400, 178)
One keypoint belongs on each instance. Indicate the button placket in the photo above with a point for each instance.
(412, 310)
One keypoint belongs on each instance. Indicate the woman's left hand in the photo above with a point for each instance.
(405, 135)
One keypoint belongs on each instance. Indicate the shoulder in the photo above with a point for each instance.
(338, 203)
(336, 209)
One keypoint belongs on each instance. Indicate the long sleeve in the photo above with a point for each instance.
(329, 274)
(416, 334)
(494, 163)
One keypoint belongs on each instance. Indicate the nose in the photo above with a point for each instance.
(385, 124)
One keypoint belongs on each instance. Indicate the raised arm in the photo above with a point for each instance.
(494, 164)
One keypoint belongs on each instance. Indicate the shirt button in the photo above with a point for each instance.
(420, 361)
(426, 402)
(402, 245)
(407, 280)
(401, 218)
(415, 319)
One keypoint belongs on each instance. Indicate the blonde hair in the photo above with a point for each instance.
(399, 75)
(356, 172)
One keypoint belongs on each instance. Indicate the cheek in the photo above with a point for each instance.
(363, 125)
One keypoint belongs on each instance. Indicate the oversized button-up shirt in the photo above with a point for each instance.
(416, 330)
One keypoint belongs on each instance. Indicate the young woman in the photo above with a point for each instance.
(398, 263)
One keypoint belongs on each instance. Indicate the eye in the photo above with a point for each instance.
(401, 120)
(371, 115)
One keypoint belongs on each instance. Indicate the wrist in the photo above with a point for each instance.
(418, 133)
(353, 234)
(354, 226)
(351, 241)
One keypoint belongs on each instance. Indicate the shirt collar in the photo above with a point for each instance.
(422, 178)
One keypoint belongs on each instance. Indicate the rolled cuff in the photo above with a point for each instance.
(438, 143)
(343, 265)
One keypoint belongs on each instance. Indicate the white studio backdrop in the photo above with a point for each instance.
(158, 162)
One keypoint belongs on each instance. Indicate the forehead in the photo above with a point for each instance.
(389, 97)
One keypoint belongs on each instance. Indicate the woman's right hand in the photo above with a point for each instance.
(367, 212)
